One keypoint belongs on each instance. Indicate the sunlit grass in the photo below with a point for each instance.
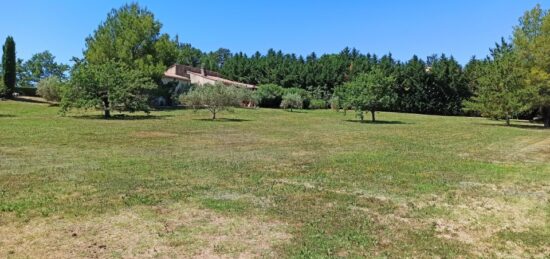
(416, 185)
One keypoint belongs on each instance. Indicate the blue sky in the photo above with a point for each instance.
(461, 28)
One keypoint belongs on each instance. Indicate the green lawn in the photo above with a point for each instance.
(270, 183)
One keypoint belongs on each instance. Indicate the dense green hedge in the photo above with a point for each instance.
(27, 91)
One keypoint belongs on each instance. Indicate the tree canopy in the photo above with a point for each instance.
(131, 35)
(110, 86)
(40, 66)
(500, 93)
(371, 91)
(214, 97)
(532, 42)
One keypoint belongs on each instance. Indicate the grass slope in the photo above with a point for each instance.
(270, 183)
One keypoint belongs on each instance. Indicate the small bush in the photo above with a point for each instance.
(50, 88)
(335, 103)
(317, 104)
(291, 101)
(270, 95)
(248, 98)
(2, 87)
(306, 96)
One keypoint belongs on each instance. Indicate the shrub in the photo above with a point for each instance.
(317, 104)
(3, 89)
(50, 88)
(270, 95)
(306, 96)
(215, 98)
(291, 101)
(248, 97)
(335, 103)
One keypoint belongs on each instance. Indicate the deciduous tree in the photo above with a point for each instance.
(372, 92)
(532, 41)
(40, 66)
(109, 86)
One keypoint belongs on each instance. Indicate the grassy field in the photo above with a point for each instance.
(270, 183)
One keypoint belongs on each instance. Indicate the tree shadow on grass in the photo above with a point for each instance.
(170, 108)
(6, 116)
(223, 120)
(121, 117)
(30, 99)
(296, 111)
(378, 122)
(530, 126)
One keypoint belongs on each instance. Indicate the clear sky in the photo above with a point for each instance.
(461, 28)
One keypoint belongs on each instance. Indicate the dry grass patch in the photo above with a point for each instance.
(535, 152)
(477, 221)
(144, 232)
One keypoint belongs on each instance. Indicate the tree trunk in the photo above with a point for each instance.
(507, 120)
(106, 108)
(362, 117)
(546, 116)
(373, 116)
(213, 115)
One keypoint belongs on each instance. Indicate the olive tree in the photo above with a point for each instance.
(214, 97)
(292, 100)
(50, 88)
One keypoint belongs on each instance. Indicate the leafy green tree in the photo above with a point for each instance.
(372, 92)
(130, 35)
(292, 101)
(270, 95)
(188, 55)
(532, 42)
(214, 98)
(50, 88)
(9, 66)
(40, 66)
(500, 93)
(110, 86)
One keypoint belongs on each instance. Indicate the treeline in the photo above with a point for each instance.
(437, 85)
(127, 55)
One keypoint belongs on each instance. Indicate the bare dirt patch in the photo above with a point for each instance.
(163, 231)
(152, 134)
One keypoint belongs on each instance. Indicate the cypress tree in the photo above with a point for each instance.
(9, 65)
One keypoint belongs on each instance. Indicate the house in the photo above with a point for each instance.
(187, 75)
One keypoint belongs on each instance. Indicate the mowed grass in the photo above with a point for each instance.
(270, 183)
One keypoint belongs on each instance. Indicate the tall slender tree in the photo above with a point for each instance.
(9, 65)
